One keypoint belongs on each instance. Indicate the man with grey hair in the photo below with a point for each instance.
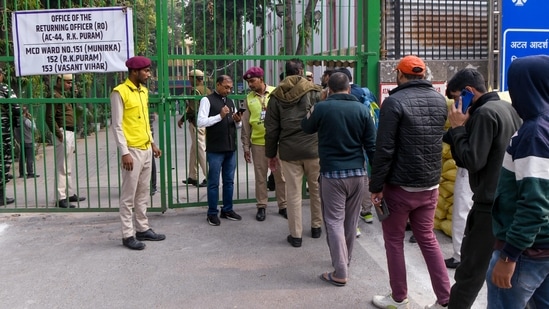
(221, 119)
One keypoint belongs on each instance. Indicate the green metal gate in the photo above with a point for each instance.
(215, 36)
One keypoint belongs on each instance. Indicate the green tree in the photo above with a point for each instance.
(304, 30)
(216, 29)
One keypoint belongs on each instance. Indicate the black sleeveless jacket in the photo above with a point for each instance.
(221, 137)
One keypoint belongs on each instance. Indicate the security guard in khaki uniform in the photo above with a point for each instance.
(198, 135)
(133, 136)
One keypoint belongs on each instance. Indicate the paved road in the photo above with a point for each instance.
(77, 260)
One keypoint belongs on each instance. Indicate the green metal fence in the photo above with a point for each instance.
(215, 36)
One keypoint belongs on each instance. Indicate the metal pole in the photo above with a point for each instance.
(491, 47)
(372, 30)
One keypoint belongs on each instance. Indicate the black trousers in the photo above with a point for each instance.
(476, 251)
(26, 157)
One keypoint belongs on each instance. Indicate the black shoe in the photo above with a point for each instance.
(412, 239)
(213, 220)
(9, 176)
(316, 232)
(231, 215)
(191, 181)
(260, 216)
(283, 212)
(133, 243)
(203, 184)
(451, 263)
(295, 242)
(8, 200)
(149, 235)
(76, 198)
(64, 204)
(32, 176)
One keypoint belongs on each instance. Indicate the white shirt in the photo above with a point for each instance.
(204, 120)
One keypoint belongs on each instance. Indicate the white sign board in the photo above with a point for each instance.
(384, 89)
(72, 40)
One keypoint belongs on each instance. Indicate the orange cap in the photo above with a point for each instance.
(411, 65)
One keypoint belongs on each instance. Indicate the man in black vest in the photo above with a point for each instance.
(220, 117)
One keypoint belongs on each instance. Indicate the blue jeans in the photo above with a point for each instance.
(530, 280)
(224, 163)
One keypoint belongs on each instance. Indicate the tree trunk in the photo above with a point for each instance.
(305, 36)
(288, 27)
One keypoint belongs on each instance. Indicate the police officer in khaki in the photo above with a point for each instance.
(133, 136)
(253, 142)
(60, 120)
(197, 154)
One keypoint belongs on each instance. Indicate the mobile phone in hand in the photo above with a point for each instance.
(382, 211)
(241, 110)
(466, 100)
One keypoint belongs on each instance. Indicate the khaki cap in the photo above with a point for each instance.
(65, 76)
(196, 72)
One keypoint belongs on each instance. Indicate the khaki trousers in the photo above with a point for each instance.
(367, 199)
(293, 173)
(64, 159)
(134, 193)
(261, 168)
(198, 150)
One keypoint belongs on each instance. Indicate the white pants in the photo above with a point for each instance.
(64, 159)
(463, 201)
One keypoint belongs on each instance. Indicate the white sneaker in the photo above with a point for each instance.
(358, 233)
(435, 306)
(387, 302)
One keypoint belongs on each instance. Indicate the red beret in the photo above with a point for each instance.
(138, 63)
(253, 72)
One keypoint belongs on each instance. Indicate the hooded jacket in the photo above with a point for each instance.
(521, 210)
(288, 105)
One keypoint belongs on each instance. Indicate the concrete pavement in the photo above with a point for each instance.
(77, 260)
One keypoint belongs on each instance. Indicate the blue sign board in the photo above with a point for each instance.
(525, 32)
